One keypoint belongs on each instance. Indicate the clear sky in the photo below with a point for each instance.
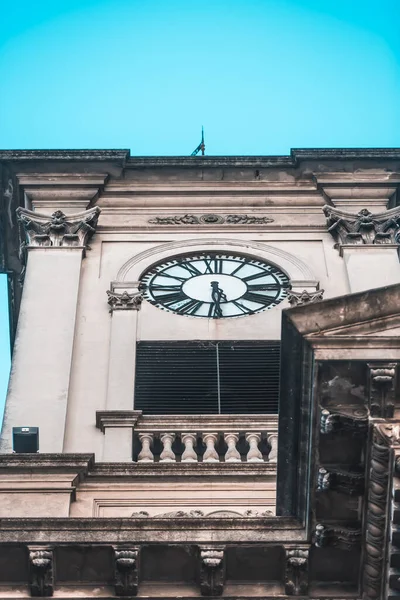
(262, 76)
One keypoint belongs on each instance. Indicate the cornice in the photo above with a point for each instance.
(80, 155)
(46, 463)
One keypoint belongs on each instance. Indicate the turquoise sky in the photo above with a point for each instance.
(262, 76)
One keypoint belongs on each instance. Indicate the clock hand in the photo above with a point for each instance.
(217, 294)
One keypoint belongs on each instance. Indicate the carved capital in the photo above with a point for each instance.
(344, 538)
(347, 482)
(363, 227)
(382, 378)
(212, 570)
(304, 297)
(296, 573)
(125, 300)
(59, 230)
(41, 578)
(344, 418)
(126, 570)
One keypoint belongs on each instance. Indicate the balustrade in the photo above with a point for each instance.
(207, 439)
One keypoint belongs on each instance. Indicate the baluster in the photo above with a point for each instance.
(167, 455)
(254, 454)
(189, 454)
(146, 455)
(210, 454)
(232, 455)
(273, 442)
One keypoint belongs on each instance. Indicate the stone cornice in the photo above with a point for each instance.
(116, 418)
(46, 463)
(183, 469)
(69, 155)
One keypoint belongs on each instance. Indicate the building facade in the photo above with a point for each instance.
(205, 352)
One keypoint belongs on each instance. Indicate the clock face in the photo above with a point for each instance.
(214, 286)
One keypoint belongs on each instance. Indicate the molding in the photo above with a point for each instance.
(41, 571)
(199, 514)
(338, 536)
(59, 230)
(125, 300)
(296, 269)
(351, 483)
(381, 380)
(46, 463)
(296, 571)
(67, 155)
(211, 219)
(363, 228)
(116, 418)
(343, 418)
(212, 570)
(299, 298)
(126, 570)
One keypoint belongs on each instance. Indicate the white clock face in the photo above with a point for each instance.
(214, 286)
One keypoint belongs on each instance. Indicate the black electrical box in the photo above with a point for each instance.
(26, 439)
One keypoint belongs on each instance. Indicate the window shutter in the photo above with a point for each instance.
(197, 377)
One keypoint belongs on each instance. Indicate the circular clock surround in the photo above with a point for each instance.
(214, 285)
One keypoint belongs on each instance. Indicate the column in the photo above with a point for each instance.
(369, 245)
(124, 308)
(41, 364)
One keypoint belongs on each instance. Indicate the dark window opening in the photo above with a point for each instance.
(207, 377)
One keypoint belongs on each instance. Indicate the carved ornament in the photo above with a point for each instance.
(211, 219)
(344, 418)
(304, 297)
(376, 518)
(382, 378)
(344, 538)
(125, 300)
(212, 570)
(296, 574)
(41, 571)
(347, 482)
(199, 514)
(59, 230)
(364, 227)
(126, 571)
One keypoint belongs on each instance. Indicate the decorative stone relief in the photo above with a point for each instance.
(126, 571)
(124, 301)
(41, 571)
(344, 418)
(364, 227)
(344, 538)
(212, 570)
(304, 297)
(346, 482)
(59, 230)
(376, 520)
(382, 379)
(210, 219)
(196, 514)
(296, 574)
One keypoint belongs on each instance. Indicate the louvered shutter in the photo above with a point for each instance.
(207, 377)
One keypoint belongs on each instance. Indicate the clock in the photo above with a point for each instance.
(214, 286)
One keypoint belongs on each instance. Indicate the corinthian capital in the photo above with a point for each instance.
(59, 230)
(363, 227)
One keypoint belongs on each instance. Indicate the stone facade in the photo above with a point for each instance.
(119, 502)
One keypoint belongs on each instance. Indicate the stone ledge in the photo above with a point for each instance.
(46, 463)
(182, 469)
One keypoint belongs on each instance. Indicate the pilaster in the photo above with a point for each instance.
(369, 245)
(124, 304)
(38, 391)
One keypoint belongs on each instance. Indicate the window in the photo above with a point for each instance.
(207, 377)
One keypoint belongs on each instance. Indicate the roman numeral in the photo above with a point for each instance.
(255, 276)
(164, 274)
(170, 299)
(165, 288)
(194, 271)
(252, 297)
(265, 286)
(208, 265)
(242, 308)
(190, 308)
(218, 263)
(238, 269)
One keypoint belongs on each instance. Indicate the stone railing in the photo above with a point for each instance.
(206, 438)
